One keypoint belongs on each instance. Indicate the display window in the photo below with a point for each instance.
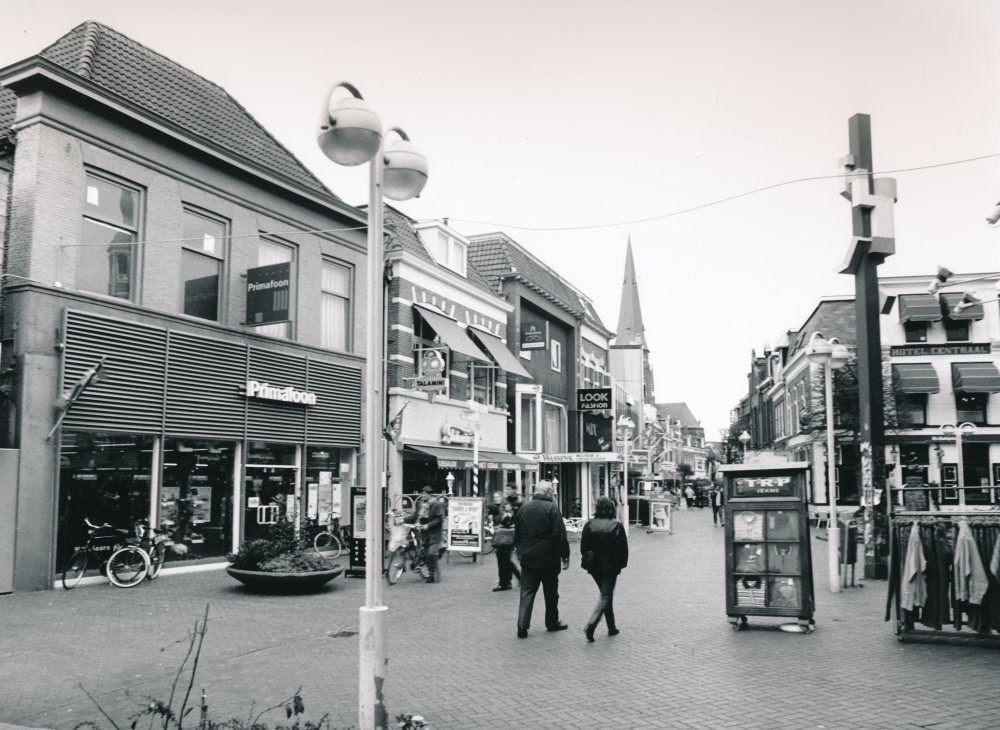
(748, 525)
(784, 593)
(103, 477)
(327, 469)
(782, 525)
(783, 558)
(195, 501)
(270, 486)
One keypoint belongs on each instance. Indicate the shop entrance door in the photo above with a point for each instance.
(269, 494)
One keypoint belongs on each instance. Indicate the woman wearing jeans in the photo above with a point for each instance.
(604, 548)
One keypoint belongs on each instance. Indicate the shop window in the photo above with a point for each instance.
(202, 258)
(327, 469)
(195, 504)
(103, 477)
(915, 331)
(956, 330)
(912, 409)
(970, 407)
(554, 429)
(269, 487)
(527, 422)
(105, 263)
(482, 380)
(555, 351)
(336, 306)
(976, 472)
(269, 253)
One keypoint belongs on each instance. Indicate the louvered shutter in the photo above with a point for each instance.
(129, 398)
(335, 420)
(206, 378)
(278, 420)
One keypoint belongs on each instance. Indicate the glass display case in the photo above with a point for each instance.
(768, 559)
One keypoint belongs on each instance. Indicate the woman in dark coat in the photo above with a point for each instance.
(604, 548)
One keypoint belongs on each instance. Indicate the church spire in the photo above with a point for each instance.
(630, 329)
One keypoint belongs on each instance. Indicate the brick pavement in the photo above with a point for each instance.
(456, 660)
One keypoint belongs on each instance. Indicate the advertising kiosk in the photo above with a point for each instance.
(768, 557)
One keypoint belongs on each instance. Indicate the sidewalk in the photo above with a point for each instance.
(455, 658)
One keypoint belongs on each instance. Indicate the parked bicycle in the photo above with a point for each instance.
(126, 565)
(153, 542)
(331, 541)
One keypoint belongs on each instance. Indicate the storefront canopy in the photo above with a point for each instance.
(504, 357)
(462, 458)
(975, 377)
(919, 308)
(915, 378)
(450, 333)
(950, 301)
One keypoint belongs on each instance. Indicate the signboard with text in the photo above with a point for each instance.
(269, 294)
(950, 348)
(534, 335)
(593, 399)
(465, 524)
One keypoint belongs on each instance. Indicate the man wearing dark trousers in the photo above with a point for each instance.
(540, 539)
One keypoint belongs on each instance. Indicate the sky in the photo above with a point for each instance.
(575, 126)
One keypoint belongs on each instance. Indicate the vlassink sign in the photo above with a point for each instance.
(266, 391)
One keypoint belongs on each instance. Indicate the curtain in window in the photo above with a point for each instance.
(269, 253)
(552, 429)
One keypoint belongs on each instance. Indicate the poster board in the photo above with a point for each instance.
(359, 505)
(465, 524)
(661, 515)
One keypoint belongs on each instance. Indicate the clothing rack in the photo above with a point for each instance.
(937, 533)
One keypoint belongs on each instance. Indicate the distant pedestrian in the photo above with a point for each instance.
(689, 496)
(604, 551)
(503, 531)
(718, 515)
(540, 539)
(430, 516)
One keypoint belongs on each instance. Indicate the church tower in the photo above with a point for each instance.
(629, 355)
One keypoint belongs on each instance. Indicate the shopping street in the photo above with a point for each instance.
(455, 658)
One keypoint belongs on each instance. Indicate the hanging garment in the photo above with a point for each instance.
(995, 561)
(913, 586)
(986, 615)
(970, 577)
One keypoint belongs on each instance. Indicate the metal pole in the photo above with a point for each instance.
(372, 645)
(832, 530)
(961, 466)
(625, 482)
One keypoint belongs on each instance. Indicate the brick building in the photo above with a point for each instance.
(145, 204)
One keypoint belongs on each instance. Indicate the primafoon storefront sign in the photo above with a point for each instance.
(266, 391)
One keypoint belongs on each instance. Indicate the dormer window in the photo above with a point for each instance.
(451, 253)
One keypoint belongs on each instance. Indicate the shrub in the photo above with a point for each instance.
(296, 562)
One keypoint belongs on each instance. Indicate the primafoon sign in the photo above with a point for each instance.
(266, 391)
(593, 399)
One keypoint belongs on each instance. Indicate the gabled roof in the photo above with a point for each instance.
(403, 236)
(630, 328)
(678, 412)
(165, 88)
(497, 256)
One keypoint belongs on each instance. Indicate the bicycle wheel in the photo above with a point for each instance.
(128, 566)
(397, 563)
(327, 545)
(156, 558)
(75, 569)
(488, 546)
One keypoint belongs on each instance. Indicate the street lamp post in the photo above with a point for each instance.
(625, 426)
(963, 428)
(350, 134)
(745, 439)
(830, 356)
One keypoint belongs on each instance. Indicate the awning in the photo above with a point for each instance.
(504, 357)
(919, 308)
(975, 377)
(915, 378)
(451, 334)
(950, 301)
(462, 458)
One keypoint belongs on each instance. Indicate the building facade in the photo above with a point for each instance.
(156, 228)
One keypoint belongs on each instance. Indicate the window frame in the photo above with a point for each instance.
(136, 247)
(953, 328)
(222, 310)
(910, 400)
(491, 380)
(985, 397)
(555, 355)
(349, 316)
(293, 294)
(915, 331)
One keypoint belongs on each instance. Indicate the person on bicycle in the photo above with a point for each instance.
(429, 515)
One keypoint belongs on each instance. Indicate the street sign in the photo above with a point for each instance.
(593, 399)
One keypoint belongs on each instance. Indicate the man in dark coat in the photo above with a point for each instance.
(540, 539)
(430, 516)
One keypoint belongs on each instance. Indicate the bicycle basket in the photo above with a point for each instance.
(398, 536)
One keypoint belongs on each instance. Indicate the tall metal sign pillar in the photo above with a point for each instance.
(872, 241)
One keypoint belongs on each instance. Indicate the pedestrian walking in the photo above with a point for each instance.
(718, 515)
(503, 541)
(540, 539)
(604, 552)
(689, 496)
(430, 515)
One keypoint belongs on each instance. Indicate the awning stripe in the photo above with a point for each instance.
(504, 357)
(950, 301)
(915, 378)
(451, 334)
(975, 377)
(919, 308)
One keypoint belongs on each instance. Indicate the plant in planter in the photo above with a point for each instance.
(281, 562)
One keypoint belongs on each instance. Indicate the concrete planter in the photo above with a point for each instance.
(285, 582)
